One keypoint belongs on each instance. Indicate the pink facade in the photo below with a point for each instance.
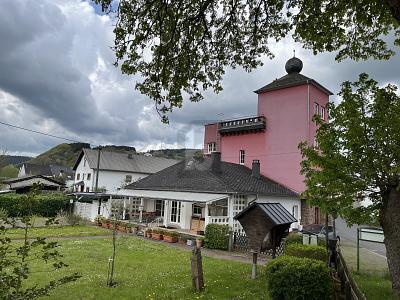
(288, 111)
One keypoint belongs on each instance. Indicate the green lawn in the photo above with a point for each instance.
(58, 231)
(147, 270)
(374, 286)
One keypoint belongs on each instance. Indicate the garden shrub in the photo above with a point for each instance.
(294, 238)
(294, 278)
(308, 251)
(217, 236)
(45, 205)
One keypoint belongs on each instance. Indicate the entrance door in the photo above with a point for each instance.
(175, 212)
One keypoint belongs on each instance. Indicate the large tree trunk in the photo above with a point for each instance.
(390, 221)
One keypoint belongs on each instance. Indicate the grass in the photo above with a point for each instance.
(375, 287)
(373, 279)
(144, 270)
(58, 231)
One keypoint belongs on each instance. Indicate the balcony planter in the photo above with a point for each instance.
(157, 235)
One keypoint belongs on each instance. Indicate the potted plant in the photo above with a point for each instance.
(157, 234)
(171, 236)
(182, 239)
(99, 220)
(199, 242)
(128, 228)
(149, 232)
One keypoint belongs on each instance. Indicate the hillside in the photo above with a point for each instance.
(63, 154)
(13, 160)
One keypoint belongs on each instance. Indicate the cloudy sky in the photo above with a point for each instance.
(57, 76)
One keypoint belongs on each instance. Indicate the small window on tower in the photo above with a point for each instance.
(88, 176)
(241, 157)
(322, 113)
(316, 108)
(78, 176)
(212, 147)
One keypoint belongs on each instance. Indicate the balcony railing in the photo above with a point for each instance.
(251, 124)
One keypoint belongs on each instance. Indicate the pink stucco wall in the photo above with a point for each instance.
(288, 113)
(211, 135)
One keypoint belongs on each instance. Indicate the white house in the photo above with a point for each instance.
(193, 193)
(116, 170)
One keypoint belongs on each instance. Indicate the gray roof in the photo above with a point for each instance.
(289, 80)
(275, 211)
(196, 176)
(125, 162)
(31, 178)
(33, 169)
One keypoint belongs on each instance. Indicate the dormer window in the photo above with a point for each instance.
(128, 178)
(211, 147)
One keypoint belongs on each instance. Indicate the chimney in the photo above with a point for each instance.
(216, 162)
(255, 169)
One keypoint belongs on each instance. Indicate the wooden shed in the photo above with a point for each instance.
(265, 224)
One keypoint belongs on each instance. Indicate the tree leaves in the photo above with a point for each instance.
(358, 155)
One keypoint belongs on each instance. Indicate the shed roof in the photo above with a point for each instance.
(275, 211)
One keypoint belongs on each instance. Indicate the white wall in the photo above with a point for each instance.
(111, 180)
(287, 203)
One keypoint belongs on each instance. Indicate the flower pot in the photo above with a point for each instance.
(157, 236)
(170, 239)
(104, 225)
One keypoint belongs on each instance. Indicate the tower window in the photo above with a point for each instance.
(316, 108)
(212, 147)
(241, 157)
(322, 114)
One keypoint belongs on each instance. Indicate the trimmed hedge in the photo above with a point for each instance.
(294, 238)
(294, 278)
(45, 205)
(216, 236)
(308, 251)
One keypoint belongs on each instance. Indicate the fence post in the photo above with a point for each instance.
(197, 270)
(230, 241)
(254, 267)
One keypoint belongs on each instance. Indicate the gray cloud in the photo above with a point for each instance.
(57, 76)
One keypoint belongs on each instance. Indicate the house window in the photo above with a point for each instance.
(128, 178)
(84, 162)
(83, 176)
(197, 210)
(87, 189)
(160, 208)
(176, 211)
(322, 114)
(212, 147)
(241, 157)
(88, 176)
(78, 176)
(316, 108)
(135, 204)
(295, 212)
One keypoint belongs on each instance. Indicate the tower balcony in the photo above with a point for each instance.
(244, 125)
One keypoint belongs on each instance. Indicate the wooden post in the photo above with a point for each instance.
(230, 245)
(254, 267)
(197, 270)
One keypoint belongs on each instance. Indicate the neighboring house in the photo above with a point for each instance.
(63, 173)
(284, 118)
(116, 169)
(24, 184)
(27, 169)
(199, 191)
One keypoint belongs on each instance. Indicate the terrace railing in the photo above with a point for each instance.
(257, 123)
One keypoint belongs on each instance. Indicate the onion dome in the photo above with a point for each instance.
(294, 65)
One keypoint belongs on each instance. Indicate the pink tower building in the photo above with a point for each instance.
(284, 118)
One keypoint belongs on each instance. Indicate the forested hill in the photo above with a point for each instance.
(63, 154)
(6, 160)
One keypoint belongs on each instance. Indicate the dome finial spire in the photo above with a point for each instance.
(294, 64)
